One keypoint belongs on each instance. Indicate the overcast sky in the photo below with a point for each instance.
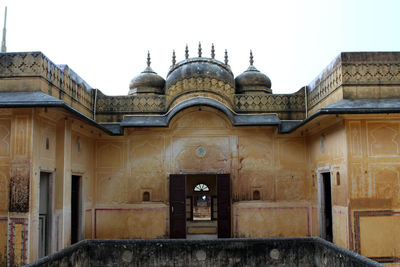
(106, 42)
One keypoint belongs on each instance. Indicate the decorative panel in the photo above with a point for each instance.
(5, 138)
(355, 138)
(19, 186)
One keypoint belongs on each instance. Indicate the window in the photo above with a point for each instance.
(201, 188)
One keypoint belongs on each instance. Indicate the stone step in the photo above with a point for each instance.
(202, 230)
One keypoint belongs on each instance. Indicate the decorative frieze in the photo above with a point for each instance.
(269, 103)
(345, 71)
(120, 104)
(371, 73)
(200, 84)
(324, 85)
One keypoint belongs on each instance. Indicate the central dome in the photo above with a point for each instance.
(200, 67)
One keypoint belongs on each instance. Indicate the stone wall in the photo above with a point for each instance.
(228, 252)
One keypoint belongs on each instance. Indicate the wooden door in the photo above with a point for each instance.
(224, 205)
(177, 205)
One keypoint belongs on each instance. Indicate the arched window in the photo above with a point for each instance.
(201, 188)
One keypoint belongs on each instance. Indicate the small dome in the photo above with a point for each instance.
(147, 82)
(252, 81)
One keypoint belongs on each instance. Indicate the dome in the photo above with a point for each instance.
(199, 67)
(147, 82)
(253, 81)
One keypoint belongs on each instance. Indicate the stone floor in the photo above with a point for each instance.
(201, 237)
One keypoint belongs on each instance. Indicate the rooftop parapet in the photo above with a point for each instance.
(59, 80)
(378, 72)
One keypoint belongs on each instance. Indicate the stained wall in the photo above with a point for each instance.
(255, 157)
(327, 153)
(35, 140)
(374, 166)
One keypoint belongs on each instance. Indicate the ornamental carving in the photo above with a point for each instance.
(269, 103)
(19, 186)
(206, 84)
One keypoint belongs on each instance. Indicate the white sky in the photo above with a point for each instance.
(106, 42)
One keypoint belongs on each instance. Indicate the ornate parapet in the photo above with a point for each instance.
(130, 104)
(270, 103)
(327, 82)
(360, 74)
(64, 83)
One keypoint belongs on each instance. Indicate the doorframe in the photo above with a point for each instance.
(81, 213)
(186, 173)
(50, 242)
(321, 200)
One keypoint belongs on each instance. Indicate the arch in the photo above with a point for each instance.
(201, 187)
(200, 102)
(235, 119)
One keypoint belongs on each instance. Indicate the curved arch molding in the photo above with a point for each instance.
(236, 119)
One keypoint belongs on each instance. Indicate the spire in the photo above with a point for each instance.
(3, 43)
(226, 57)
(251, 58)
(148, 59)
(186, 52)
(173, 58)
(199, 49)
(212, 51)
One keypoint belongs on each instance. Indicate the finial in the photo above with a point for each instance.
(186, 52)
(212, 51)
(226, 57)
(173, 58)
(3, 43)
(251, 58)
(148, 59)
(199, 49)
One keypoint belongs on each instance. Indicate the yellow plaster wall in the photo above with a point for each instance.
(327, 152)
(255, 157)
(264, 219)
(374, 166)
(135, 221)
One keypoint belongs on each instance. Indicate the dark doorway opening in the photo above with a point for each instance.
(75, 207)
(44, 214)
(200, 205)
(326, 207)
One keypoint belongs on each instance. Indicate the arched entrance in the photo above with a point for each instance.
(200, 204)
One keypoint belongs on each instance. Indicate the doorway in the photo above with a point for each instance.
(45, 208)
(200, 205)
(75, 207)
(325, 207)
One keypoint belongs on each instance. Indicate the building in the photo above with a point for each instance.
(199, 152)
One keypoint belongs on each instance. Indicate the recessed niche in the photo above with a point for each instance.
(146, 196)
(337, 178)
(47, 143)
(256, 195)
